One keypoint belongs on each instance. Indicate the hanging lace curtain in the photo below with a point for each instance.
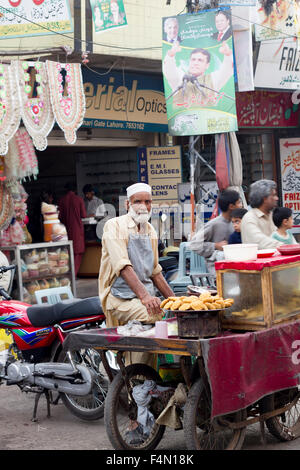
(67, 97)
(10, 113)
(36, 110)
(20, 161)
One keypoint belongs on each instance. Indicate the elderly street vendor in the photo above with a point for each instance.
(129, 269)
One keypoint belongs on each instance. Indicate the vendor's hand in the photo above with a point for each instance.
(219, 245)
(152, 304)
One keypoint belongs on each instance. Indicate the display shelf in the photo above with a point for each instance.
(31, 256)
(47, 276)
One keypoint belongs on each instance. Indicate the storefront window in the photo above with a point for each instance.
(258, 155)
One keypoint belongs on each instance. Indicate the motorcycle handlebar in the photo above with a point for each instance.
(4, 294)
(4, 269)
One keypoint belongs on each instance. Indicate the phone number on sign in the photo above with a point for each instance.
(135, 125)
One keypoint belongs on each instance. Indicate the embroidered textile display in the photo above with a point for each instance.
(67, 97)
(10, 113)
(36, 112)
(20, 161)
(16, 233)
(6, 206)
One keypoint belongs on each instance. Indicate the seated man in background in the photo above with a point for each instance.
(257, 225)
(210, 239)
(94, 205)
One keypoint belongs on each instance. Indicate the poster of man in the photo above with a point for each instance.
(198, 74)
(223, 25)
(108, 14)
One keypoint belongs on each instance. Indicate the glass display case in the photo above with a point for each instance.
(265, 292)
(41, 266)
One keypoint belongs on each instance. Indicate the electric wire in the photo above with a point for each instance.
(292, 36)
(82, 40)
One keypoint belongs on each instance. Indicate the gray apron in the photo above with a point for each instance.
(141, 257)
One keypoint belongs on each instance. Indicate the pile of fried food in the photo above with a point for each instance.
(205, 301)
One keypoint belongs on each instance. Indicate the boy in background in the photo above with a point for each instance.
(236, 219)
(283, 219)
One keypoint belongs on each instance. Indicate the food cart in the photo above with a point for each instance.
(240, 376)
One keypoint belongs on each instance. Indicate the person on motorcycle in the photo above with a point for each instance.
(129, 270)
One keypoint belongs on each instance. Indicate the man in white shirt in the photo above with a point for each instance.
(257, 225)
(94, 206)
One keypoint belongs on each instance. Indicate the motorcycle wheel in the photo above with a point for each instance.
(91, 406)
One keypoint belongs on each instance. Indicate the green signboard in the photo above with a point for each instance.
(198, 71)
(108, 14)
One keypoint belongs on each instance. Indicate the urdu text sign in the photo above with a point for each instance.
(161, 168)
(290, 175)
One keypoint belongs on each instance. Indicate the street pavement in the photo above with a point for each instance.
(63, 431)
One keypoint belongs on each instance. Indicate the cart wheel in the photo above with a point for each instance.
(119, 411)
(202, 433)
(286, 426)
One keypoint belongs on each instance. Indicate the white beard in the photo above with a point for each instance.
(139, 218)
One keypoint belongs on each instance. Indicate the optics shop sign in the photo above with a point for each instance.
(161, 168)
(290, 174)
(124, 101)
(19, 18)
(278, 65)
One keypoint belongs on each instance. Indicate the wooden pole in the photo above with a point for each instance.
(194, 6)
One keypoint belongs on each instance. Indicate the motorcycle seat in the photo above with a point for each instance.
(47, 315)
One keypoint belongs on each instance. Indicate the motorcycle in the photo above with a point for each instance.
(168, 256)
(35, 360)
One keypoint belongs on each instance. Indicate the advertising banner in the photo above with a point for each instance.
(278, 65)
(161, 168)
(124, 101)
(290, 175)
(21, 18)
(243, 51)
(197, 55)
(108, 14)
(267, 109)
(275, 20)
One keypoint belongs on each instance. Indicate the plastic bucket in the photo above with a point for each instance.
(48, 224)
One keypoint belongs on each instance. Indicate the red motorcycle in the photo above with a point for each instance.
(36, 362)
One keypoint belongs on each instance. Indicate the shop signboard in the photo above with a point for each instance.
(108, 14)
(278, 65)
(275, 20)
(124, 101)
(161, 168)
(24, 18)
(290, 175)
(266, 109)
(198, 74)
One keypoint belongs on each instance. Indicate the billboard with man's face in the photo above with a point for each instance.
(198, 71)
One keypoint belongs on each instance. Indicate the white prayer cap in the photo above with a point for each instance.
(138, 188)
